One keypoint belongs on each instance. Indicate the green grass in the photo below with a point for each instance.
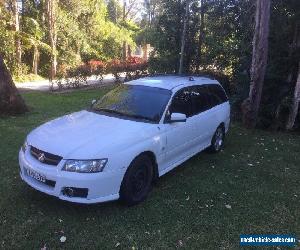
(257, 174)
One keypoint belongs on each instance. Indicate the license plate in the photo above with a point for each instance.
(35, 175)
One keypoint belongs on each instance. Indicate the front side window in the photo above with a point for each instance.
(181, 102)
(134, 101)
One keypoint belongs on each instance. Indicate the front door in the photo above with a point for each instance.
(180, 137)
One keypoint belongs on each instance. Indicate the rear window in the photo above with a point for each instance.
(205, 97)
(218, 93)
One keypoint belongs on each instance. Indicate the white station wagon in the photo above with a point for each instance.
(127, 139)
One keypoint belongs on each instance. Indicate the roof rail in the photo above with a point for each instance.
(183, 75)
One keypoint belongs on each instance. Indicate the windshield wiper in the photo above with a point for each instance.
(112, 111)
(141, 117)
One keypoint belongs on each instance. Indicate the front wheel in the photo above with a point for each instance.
(137, 181)
(217, 141)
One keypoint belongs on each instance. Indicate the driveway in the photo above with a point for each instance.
(44, 85)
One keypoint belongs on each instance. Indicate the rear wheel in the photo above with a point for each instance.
(217, 141)
(137, 181)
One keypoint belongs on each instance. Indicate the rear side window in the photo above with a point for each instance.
(218, 93)
(181, 102)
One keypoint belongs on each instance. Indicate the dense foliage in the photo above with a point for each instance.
(84, 30)
(219, 39)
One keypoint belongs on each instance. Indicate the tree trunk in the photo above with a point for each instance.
(35, 61)
(295, 106)
(124, 54)
(201, 36)
(149, 15)
(10, 100)
(17, 29)
(51, 22)
(250, 106)
(145, 49)
(293, 47)
(185, 24)
(129, 51)
(281, 120)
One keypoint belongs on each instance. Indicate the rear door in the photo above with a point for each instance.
(204, 116)
(221, 104)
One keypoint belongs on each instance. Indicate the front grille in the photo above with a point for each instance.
(48, 158)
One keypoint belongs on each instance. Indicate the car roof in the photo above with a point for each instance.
(170, 82)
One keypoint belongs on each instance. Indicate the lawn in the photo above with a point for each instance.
(252, 186)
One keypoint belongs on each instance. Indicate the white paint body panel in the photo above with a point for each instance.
(88, 135)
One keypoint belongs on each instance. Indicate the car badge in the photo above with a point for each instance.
(41, 157)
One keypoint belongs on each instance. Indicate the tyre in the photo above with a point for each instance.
(137, 181)
(217, 141)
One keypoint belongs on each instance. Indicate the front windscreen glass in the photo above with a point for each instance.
(135, 101)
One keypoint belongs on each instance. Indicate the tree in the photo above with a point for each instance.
(124, 53)
(15, 9)
(295, 105)
(133, 9)
(32, 39)
(112, 10)
(201, 35)
(7, 37)
(294, 51)
(10, 100)
(51, 23)
(250, 106)
(150, 9)
(183, 38)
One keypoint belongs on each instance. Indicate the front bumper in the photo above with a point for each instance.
(101, 187)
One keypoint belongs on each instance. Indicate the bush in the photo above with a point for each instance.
(78, 76)
(21, 71)
(164, 64)
(97, 68)
(28, 78)
(135, 67)
(115, 67)
(74, 77)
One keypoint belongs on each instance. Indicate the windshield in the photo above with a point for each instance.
(135, 101)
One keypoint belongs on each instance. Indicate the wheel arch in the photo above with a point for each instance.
(153, 159)
(222, 125)
(122, 191)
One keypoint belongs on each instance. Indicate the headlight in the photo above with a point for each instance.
(25, 146)
(85, 166)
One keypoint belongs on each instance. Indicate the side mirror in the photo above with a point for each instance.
(93, 102)
(177, 117)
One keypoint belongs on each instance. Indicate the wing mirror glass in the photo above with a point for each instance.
(93, 102)
(177, 117)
